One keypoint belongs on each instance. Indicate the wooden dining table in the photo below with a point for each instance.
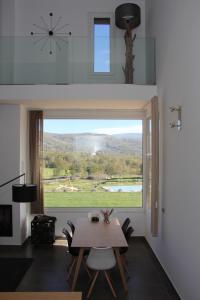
(40, 296)
(89, 234)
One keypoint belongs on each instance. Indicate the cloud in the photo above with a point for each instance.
(119, 130)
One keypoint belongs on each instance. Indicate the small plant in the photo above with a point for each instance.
(106, 215)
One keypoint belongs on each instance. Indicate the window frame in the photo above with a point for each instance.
(107, 114)
(91, 23)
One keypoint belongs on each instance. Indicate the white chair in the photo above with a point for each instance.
(101, 259)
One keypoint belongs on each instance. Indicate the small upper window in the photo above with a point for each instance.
(102, 45)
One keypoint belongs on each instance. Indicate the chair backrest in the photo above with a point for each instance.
(68, 237)
(125, 225)
(128, 233)
(101, 258)
(71, 225)
(74, 251)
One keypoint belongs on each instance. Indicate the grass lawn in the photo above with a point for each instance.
(85, 185)
(90, 193)
(95, 199)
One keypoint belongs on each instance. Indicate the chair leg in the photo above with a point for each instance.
(86, 268)
(92, 284)
(71, 262)
(123, 259)
(123, 262)
(72, 267)
(110, 283)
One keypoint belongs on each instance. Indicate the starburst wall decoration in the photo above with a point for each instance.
(50, 32)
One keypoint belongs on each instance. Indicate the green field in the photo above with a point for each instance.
(95, 199)
(89, 193)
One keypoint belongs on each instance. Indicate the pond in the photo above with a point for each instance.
(124, 188)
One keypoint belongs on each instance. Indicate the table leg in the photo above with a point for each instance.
(121, 269)
(77, 269)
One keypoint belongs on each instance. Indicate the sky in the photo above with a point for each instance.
(92, 126)
(101, 48)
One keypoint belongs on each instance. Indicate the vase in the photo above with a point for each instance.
(106, 220)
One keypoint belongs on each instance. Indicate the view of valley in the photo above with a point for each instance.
(92, 169)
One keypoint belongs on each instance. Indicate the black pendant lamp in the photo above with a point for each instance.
(22, 192)
(127, 15)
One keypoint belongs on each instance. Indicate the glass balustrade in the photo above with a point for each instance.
(70, 60)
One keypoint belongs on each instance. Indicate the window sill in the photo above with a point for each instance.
(87, 209)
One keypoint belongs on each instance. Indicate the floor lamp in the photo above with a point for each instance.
(22, 192)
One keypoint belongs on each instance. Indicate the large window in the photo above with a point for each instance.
(101, 45)
(93, 163)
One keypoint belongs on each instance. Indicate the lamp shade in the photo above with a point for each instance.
(127, 15)
(24, 193)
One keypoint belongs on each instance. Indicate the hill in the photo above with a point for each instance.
(91, 143)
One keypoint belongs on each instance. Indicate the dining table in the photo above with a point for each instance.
(40, 296)
(90, 234)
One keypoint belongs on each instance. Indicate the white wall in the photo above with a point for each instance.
(12, 161)
(24, 207)
(175, 25)
(7, 28)
(75, 13)
(9, 163)
(73, 63)
(7, 17)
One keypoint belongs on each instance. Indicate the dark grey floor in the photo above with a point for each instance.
(48, 273)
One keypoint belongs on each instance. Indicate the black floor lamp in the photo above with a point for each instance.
(22, 192)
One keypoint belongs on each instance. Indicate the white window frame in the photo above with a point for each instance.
(91, 17)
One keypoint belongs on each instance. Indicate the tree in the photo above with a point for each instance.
(75, 167)
(109, 170)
